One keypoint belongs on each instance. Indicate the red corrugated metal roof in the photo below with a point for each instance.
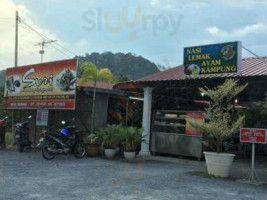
(250, 67)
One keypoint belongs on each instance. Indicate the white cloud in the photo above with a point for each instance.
(167, 4)
(28, 52)
(227, 20)
(215, 31)
(193, 6)
(80, 45)
(241, 32)
(246, 4)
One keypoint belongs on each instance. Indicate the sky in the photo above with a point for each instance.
(155, 29)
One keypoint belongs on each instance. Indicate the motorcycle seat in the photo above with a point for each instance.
(55, 134)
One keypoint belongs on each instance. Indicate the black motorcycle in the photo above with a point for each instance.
(22, 135)
(65, 141)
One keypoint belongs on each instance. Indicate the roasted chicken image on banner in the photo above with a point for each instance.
(66, 80)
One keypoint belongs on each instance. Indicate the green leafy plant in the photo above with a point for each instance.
(93, 139)
(131, 137)
(110, 135)
(219, 123)
(9, 138)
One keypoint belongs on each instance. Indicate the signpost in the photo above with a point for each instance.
(223, 58)
(253, 135)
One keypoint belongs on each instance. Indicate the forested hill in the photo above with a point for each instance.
(121, 65)
(133, 66)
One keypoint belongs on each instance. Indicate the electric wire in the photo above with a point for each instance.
(54, 46)
(74, 54)
(60, 51)
(63, 53)
(45, 37)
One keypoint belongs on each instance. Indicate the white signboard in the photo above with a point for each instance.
(41, 117)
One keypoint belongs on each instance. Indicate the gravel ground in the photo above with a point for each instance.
(28, 176)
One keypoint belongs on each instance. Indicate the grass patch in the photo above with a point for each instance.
(206, 175)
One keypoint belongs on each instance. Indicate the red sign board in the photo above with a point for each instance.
(253, 135)
(49, 85)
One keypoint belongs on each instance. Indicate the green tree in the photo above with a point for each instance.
(123, 78)
(89, 72)
(219, 123)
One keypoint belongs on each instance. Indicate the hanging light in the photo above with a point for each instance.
(136, 98)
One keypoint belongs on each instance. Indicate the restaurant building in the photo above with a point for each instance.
(170, 97)
(51, 92)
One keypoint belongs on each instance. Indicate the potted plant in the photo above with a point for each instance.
(111, 139)
(219, 124)
(131, 137)
(93, 143)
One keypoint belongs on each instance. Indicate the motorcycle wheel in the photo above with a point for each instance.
(45, 153)
(20, 147)
(79, 150)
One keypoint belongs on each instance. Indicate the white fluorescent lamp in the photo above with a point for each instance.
(136, 98)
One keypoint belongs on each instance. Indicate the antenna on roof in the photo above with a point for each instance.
(42, 44)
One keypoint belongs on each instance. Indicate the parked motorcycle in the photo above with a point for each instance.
(22, 135)
(66, 141)
(44, 132)
(3, 133)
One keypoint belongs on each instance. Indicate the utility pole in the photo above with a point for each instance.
(16, 38)
(42, 44)
(15, 61)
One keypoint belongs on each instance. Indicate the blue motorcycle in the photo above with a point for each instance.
(66, 140)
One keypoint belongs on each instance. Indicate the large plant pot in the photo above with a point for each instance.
(110, 153)
(130, 156)
(219, 164)
(117, 150)
(92, 150)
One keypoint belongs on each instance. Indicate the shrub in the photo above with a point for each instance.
(110, 135)
(131, 137)
(219, 123)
